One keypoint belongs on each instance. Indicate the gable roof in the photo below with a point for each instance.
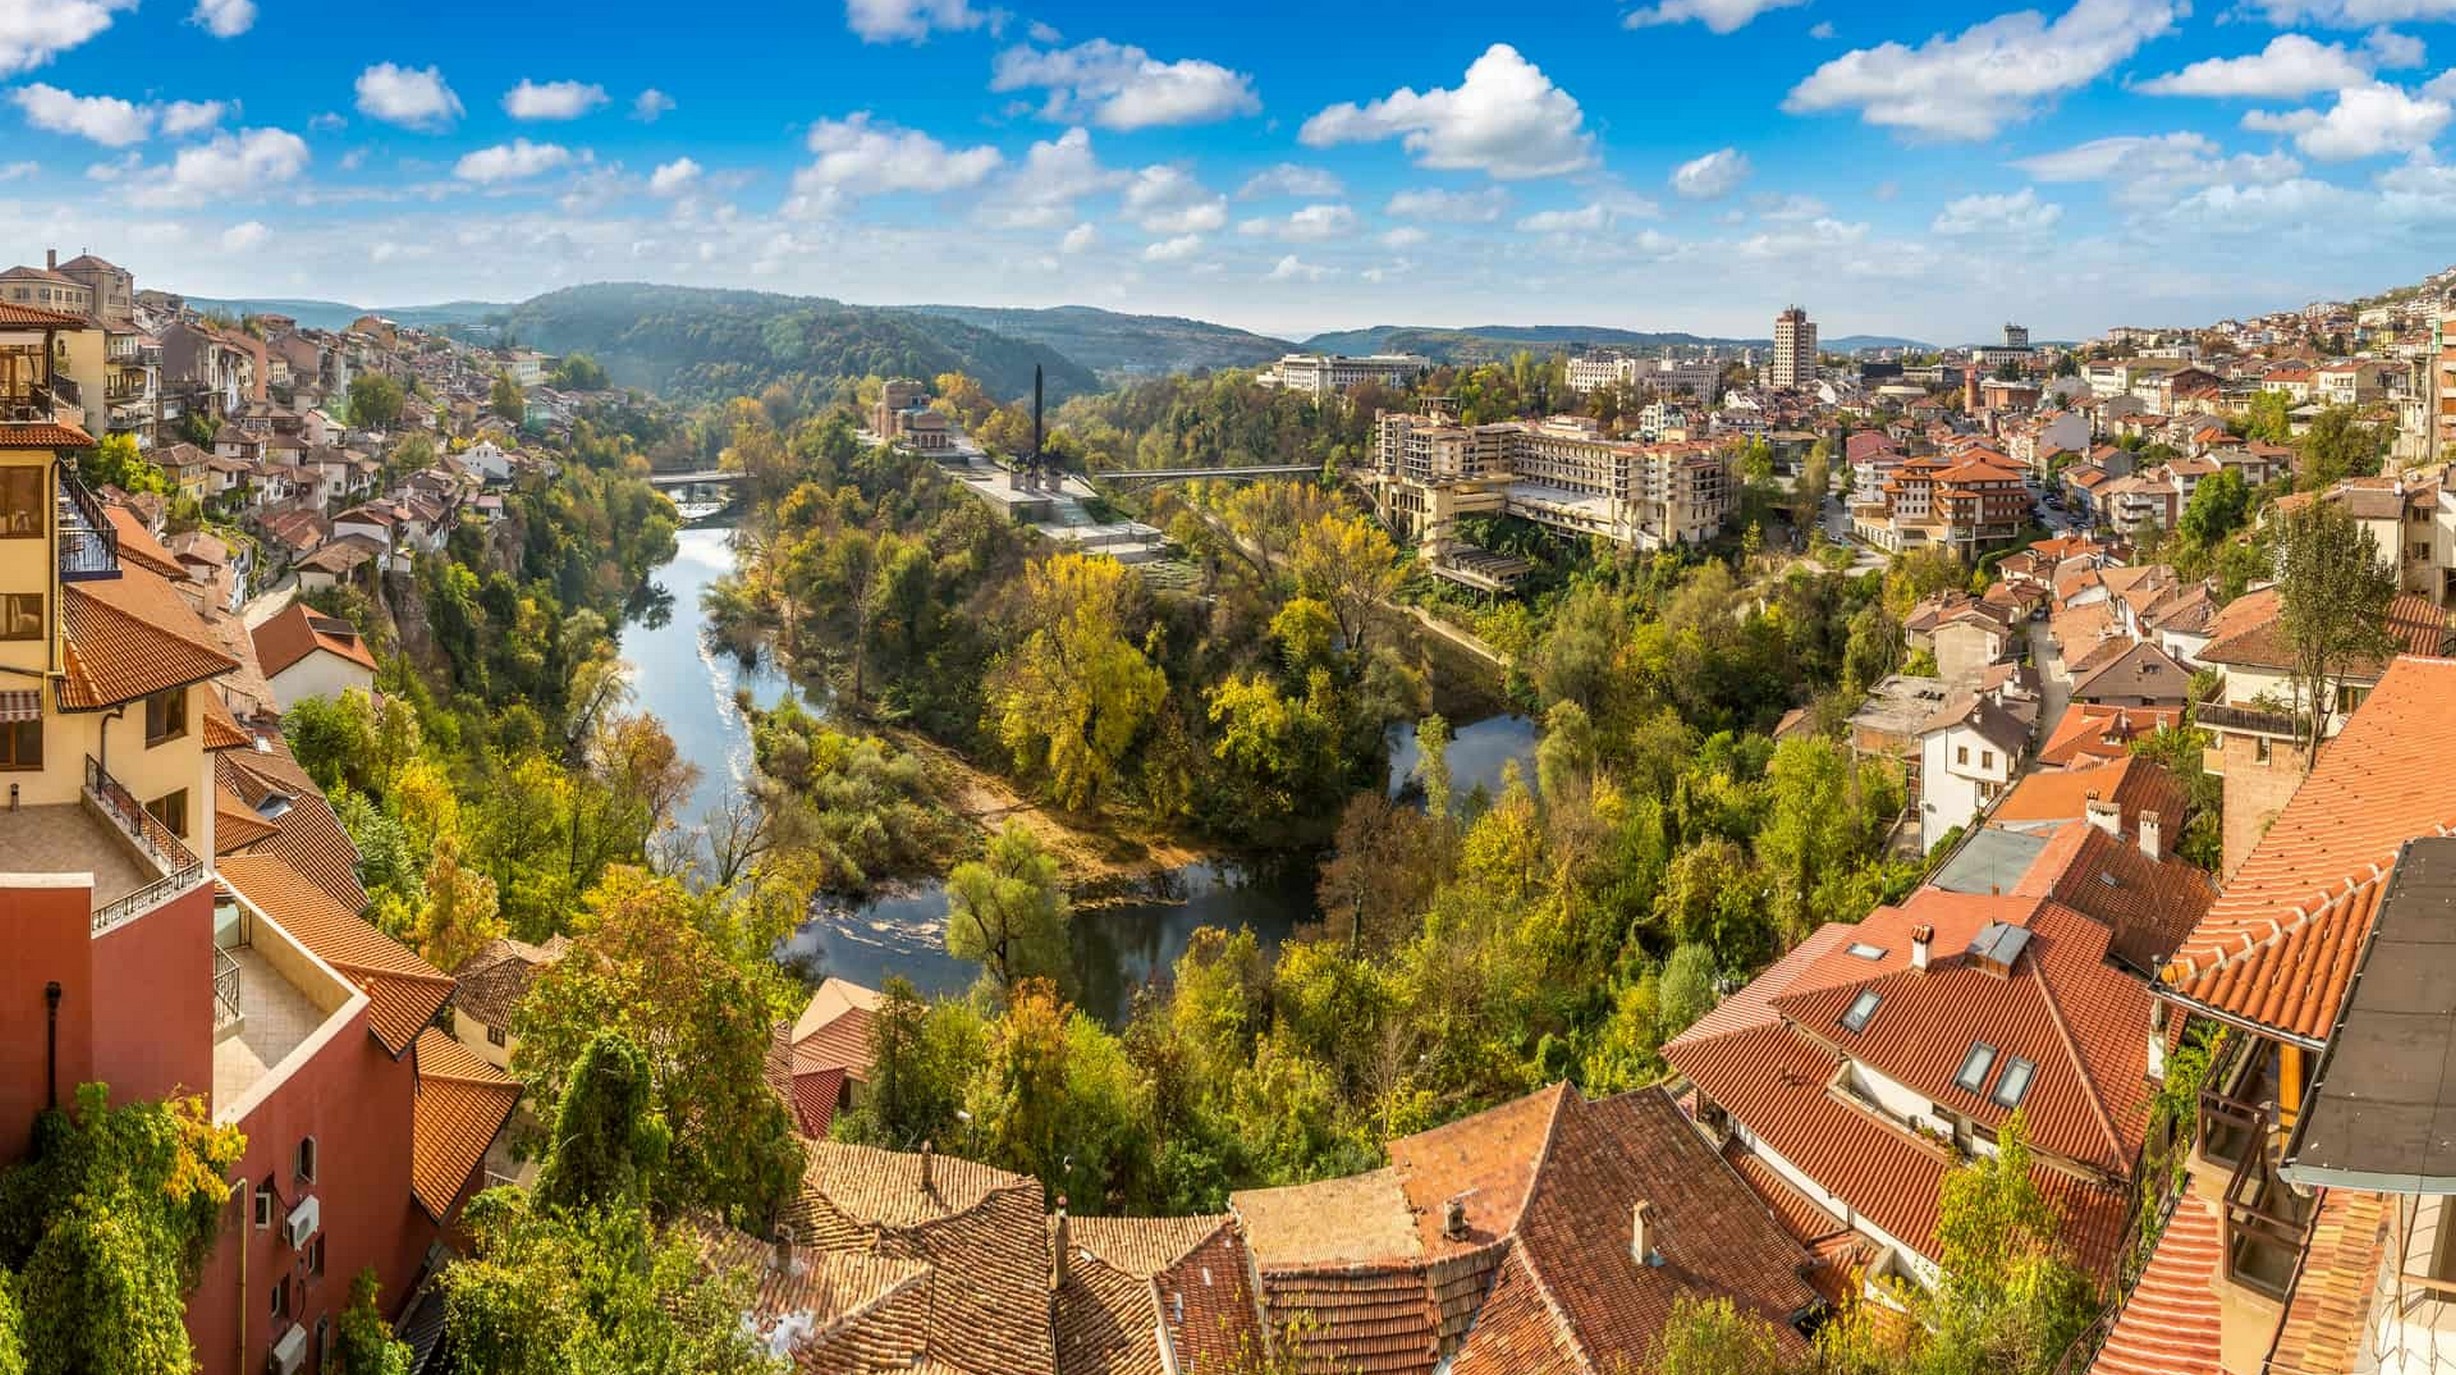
(2275, 951)
(403, 991)
(299, 631)
(130, 637)
(2102, 731)
(2144, 670)
(2250, 632)
(2055, 796)
(490, 984)
(1151, 1295)
(2147, 905)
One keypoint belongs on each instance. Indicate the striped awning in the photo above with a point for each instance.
(21, 704)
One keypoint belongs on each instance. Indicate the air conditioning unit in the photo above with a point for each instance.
(289, 1355)
(304, 1221)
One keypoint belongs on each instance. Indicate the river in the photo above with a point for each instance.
(1119, 943)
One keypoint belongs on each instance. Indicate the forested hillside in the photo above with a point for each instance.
(1490, 343)
(1106, 341)
(692, 344)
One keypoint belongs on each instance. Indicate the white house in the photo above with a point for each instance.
(1967, 755)
(306, 654)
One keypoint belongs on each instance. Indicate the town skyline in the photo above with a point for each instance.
(2139, 164)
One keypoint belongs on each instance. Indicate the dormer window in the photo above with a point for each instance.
(1861, 1010)
(1974, 1067)
(2015, 1082)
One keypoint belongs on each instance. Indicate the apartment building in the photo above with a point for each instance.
(2443, 385)
(1698, 378)
(1427, 470)
(182, 909)
(1323, 374)
(1794, 362)
(1969, 503)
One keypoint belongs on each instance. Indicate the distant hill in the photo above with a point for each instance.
(691, 343)
(1853, 343)
(337, 315)
(1485, 343)
(1111, 343)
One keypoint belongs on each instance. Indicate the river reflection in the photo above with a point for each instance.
(1120, 943)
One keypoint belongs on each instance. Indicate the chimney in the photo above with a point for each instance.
(2156, 1062)
(2152, 836)
(1058, 1245)
(1641, 1234)
(1921, 938)
(51, 259)
(1454, 1219)
(925, 1167)
(2106, 816)
(784, 1248)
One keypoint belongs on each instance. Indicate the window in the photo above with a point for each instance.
(315, 1255)
(21, 745)
(496, 1036)
(2014, 1083)
(1986, 759)
(307, 1158)
(1974, 1067)
(171, 809)
(264, 1205)
(1862, 1008)
(1866, 951)
(21, 502)
(1961, 754)
(21, 615)
(2259, 749)
(166, 716)
(281, 1298)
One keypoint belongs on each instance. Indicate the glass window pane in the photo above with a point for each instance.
(2015, 1083)
(1974, 1067)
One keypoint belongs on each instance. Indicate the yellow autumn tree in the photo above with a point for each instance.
(1069, 699)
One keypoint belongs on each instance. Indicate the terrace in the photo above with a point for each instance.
(272, 998)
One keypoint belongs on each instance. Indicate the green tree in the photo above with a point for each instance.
(608, 1140)
(460, 914)
(1711, 1337)
(1055, 1098)
(375, 401)
(2271, 418)
(1432, 769)
(116, 462)
(2339, 445)
(1349, 565)
(2333, 590)
(920, 1059)
(579, 372)
(1008, 911)
(688, 979)
(1072, 696)
(2217, 508)
(506, 401)
(363, 1343)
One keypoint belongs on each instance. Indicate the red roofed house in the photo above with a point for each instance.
(171, 934)
(305, 653)
(2313, 1234)
(820, 1061)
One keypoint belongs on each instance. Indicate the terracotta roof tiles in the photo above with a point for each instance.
(2132, 783)
(299, 631)
(2170, 1323)
(403, 991)
(462, 1104)
(2327, 1314)
(2277, 947)
(130, 637)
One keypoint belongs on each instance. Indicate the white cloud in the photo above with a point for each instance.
(12, 171)
(2233, 209)
(230, 166)
(2391, 49)
(651, 105)
(2021, 212)
(224, 18)
(1313, 224)
(1289, 179)
(1722, 16)
(1294, 269)
(857, 158)
(1405, 236)
(1449, 207)
(2419, 189)
(674, 178)
(2291, 65)
(552, 99)
(1711, 177)
(182, 117)
(517, 160)
(1120, 87)
(1791, 209)
(1041, 193)
(1971, 84)
(242, 237)
(1584, 220)
(2354, 14)
(2365, 122)
(909, 21)
(1505, 119)
(1079, 238)
(1168, 200)
(1174, 250)
(104, 119)
(413, 98)
(32, 32)
(1821, 30)
(2156, 169)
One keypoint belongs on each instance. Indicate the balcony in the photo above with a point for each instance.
(42, 403)
(176, 868)
(89, 544)
(2282, 725)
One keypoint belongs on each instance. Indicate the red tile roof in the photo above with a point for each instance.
(137, 543)
(130, 637)
(2149, 906)
(299, 631)
(462, 1104)
(2096, 731)
(33, 315)
(2249, 632)
(2170, 1324)
(2132, 783)
(2327, 1314)
(2278, 946)
(403, 991)
(1149, 1295)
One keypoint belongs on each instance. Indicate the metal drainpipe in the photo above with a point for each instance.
(51, 1044)
(102, 749)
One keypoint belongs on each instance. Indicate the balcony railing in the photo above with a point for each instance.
(2284, 725)
(179, 868)
(225, 989)
(38, 403)
(89, 543)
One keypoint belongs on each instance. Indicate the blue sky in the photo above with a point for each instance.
(1921, 169)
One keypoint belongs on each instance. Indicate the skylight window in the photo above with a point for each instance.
(2014, 1083)
(1866, 951)
(1974, 1067)
(1862, 1008)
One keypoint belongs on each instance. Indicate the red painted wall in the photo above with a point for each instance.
(45, 935)
(152, 1007)
(357, 1101)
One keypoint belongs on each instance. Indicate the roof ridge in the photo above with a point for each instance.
(2072, 1048)
(921, 1270)
(2299, 916)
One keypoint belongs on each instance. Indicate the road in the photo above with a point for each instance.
(269, 603)
(2054, 687)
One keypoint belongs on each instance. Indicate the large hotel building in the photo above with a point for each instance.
(1428, 470)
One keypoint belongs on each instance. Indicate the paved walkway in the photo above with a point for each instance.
(265, 605)
(2054, 685)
